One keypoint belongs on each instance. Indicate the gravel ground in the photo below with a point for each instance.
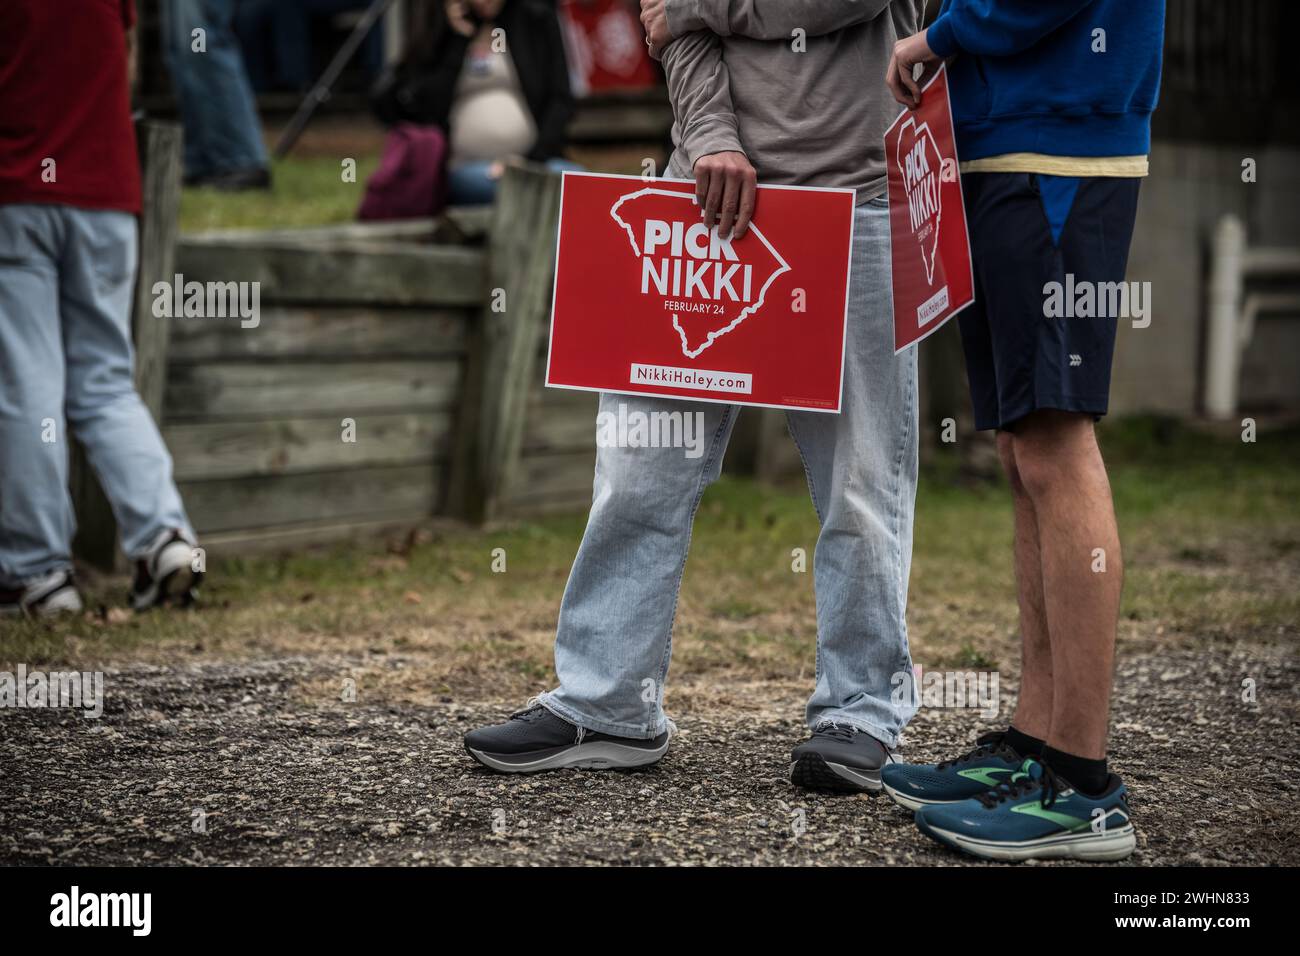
(250, 755)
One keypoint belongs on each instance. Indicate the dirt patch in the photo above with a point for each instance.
(262, 762)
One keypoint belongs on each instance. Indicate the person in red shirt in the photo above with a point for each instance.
(65, 114)
(69, 192)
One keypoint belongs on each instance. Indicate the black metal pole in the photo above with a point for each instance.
(319, 93)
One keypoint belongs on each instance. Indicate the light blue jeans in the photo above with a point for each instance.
(66, 277)
(222, 132)
(614, 637)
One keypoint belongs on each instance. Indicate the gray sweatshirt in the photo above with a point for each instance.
(811, 118)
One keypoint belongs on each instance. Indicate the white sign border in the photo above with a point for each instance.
(844, 331)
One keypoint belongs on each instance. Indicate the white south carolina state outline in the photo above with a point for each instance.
(745, 312)
(919, 132)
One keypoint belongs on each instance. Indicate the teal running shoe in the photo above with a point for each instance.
(1035, 815)
(915, 785)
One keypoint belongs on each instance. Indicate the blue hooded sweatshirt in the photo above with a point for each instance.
(1054, 77)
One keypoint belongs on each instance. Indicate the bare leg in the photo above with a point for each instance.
(1060, 466)
(1033, 714)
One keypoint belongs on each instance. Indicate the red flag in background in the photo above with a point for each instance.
(606, 46)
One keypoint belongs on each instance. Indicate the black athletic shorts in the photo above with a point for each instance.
(1047, 251)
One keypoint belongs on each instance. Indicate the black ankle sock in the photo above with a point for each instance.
(1089, 777)
(1023, 744)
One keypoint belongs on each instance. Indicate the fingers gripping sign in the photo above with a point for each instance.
(901, 76)
(726, 188)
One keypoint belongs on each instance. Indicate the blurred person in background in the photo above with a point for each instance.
(276, 39)
(69, 193)
(493, 76)
(223, 138)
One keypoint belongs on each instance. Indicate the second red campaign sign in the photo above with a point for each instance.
(650, 301)
(930, 248)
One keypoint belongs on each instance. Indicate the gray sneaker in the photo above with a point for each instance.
(840, 759)
(535, 739)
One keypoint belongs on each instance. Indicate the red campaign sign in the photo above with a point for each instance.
(933, 278)
(648, 301)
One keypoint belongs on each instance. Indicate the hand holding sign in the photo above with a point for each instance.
(726, 182)
(933, 279)
(900, 75)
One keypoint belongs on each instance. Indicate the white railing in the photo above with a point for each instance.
(1232, 312)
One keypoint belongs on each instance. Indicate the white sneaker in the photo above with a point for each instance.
(166, 575)
(46, 596)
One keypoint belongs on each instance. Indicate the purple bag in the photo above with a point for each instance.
(411, 181)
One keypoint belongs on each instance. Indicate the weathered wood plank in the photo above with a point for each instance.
(404, 230)
(560, 428)
(565, 399)
(566, 504)
(294, 537)
(241, 504)
(160, 148)
(324, 332)
(209, 450)
(394, 273)
(226, 390)
(456, 224)
(560, 481)
(521, 262)
(464, 223)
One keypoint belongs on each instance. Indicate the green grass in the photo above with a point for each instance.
(1211, 531)
(307, 191)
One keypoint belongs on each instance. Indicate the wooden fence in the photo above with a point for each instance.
(394, 372)
(420, 342)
